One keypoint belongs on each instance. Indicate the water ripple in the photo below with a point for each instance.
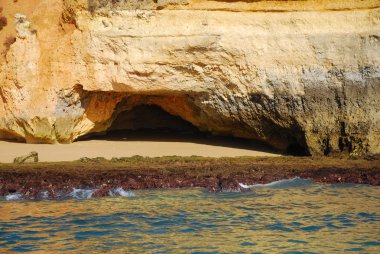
(270, 220)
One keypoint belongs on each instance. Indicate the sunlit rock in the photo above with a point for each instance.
(302, 76)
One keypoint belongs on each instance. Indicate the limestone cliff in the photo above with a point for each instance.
(298, 75)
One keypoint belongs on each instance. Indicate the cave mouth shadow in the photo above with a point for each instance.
(152, 123)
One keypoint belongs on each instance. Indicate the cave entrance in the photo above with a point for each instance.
(149, 121)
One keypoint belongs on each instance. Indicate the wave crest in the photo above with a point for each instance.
(120, 192)
(285, 183)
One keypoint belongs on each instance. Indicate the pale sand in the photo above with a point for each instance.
(123, 148)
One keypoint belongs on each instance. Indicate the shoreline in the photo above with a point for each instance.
(213, 174)
(153, 145)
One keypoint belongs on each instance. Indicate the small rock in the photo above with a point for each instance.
(84, 159)
(29, 158)
(92, 160)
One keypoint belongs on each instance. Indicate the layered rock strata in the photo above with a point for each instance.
(302, 76)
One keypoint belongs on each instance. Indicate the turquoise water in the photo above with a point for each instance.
(286, 217)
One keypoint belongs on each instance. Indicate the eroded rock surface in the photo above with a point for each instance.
(299, 75)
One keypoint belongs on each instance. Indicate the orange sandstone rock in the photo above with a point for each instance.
(298, 75)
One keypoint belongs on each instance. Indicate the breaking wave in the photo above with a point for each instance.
(82, 193)
(13, 196)
(285, 183)
(120, 192)
(74, 194)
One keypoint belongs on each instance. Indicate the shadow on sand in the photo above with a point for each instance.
(167, 135)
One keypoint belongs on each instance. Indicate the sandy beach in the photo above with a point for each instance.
(130, 146)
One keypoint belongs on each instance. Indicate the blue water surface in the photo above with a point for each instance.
(297, 217)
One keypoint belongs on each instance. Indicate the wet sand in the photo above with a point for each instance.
(150, 146)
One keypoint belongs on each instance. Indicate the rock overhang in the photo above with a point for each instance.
(280, 71)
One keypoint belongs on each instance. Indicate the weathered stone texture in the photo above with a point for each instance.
(299, 75)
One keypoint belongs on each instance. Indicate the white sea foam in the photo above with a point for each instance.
(285, 183)
(120, 192)
(244, 186)
(13, 196)
(44, 195)
(82, 193)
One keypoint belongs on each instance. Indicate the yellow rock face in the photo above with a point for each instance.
(298, 75)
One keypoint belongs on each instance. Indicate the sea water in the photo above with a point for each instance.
(295, 216)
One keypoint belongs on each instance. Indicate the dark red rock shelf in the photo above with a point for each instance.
(213, 174)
